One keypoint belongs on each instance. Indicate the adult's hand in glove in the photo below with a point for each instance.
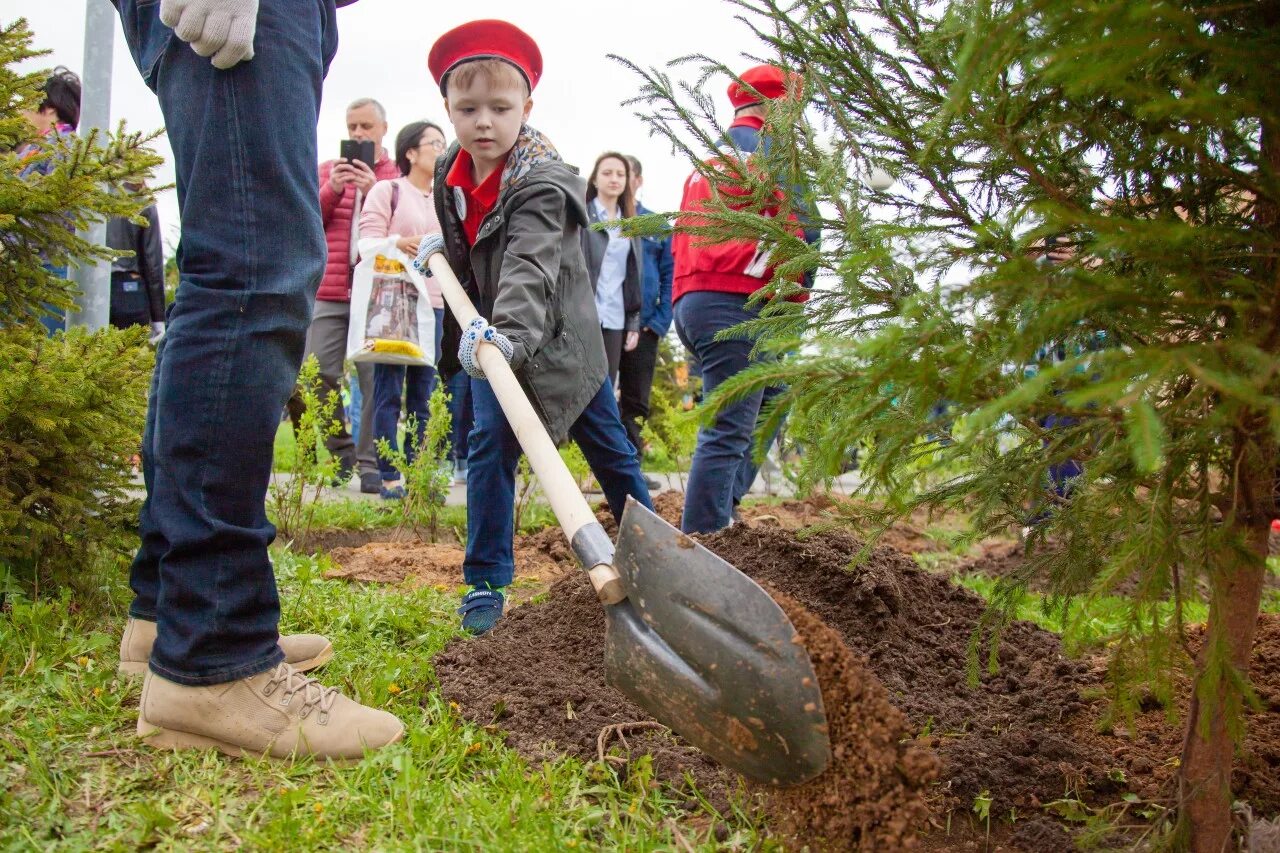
(478, 330)
(428, 245)
(222, 29)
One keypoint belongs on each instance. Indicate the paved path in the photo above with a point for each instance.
(770, 483)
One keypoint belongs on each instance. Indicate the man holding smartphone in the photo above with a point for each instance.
(344, 183)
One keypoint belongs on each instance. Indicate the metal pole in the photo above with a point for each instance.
(93, 302)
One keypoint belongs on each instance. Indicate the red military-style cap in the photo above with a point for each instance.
(488, 39)
(769, 80)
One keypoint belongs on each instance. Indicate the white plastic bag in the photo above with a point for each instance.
(391, 317)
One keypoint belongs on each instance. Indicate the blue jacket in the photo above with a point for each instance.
(655, 308)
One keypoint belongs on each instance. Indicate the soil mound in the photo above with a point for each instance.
(1148, 752)
(540, 674)
(872, 795)
(544, 557)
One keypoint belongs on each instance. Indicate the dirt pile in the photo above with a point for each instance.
(543, 556)
(540, 675)
(1148, 752)
(1002, 735)
(872, 795)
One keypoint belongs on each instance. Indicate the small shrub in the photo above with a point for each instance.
(295, 489)
(428, 477)
(72, 410)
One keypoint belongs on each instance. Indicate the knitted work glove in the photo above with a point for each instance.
(222, 29)
(476, 331)
(427, 246)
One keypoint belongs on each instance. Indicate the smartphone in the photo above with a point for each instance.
(357, 149)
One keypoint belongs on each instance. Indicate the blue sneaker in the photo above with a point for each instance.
(394, 493)
(481, 609)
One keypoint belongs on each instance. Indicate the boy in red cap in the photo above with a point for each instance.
(711, 291)
(510, 211)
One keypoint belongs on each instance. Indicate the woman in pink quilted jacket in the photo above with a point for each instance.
(403, 208)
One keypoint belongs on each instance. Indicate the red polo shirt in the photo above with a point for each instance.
(479, 199)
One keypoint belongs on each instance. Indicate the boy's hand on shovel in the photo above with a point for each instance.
(427, 246)
(478, 330)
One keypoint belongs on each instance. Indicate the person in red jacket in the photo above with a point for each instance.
(710, 289)
(343, 187)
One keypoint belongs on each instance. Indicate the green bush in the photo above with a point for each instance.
(428, 477)
(71, 407)
(297, 484)
(71, 415)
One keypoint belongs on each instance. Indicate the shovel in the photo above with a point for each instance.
(688, 637)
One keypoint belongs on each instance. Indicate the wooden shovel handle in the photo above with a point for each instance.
(567, 502)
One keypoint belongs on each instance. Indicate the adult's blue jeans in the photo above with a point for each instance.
(491, 477)
(724, 465)
(417, 384)
(250, 261)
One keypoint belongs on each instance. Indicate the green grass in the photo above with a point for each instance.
(74, 776)
(285, 448)
(1088, 623)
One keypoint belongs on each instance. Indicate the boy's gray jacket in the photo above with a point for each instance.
(527, 277)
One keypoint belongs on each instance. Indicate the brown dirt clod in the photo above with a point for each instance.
(871, 797)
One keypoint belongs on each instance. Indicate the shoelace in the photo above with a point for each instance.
(314, 694)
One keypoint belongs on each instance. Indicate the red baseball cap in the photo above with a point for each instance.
(769, 80)
(488, 39)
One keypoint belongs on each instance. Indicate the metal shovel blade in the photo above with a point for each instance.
(703, 648)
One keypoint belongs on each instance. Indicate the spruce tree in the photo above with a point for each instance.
(71, 406)
(1139, 140)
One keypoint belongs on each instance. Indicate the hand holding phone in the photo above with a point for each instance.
(358, 149)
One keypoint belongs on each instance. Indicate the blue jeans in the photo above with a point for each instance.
(460, 416)
(491, 477)
(355, 405)
(1061, 474)
(723, 466)
(417, 383)
(250, 261)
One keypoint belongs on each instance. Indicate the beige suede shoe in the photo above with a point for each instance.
(304, 652)
(279, 713)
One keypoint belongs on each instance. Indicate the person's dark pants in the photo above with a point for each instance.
(130, 302)
(250, 261)
(635, 385)
(55, 319)
(613, 341)
(417, 383)
(326, 339)
(460, 415)
(723, 466)
(491, 477)
(1061, 474)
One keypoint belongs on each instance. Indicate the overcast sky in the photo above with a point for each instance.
(383, 50)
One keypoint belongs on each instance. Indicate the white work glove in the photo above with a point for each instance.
(427, 246)
(478, 330)
(157, 332)
(222, 29)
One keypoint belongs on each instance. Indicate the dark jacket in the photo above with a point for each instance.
(527, 277)
(655, 312)
(147, 261)
(594, 245)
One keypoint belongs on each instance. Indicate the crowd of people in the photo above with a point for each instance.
(578, 312)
